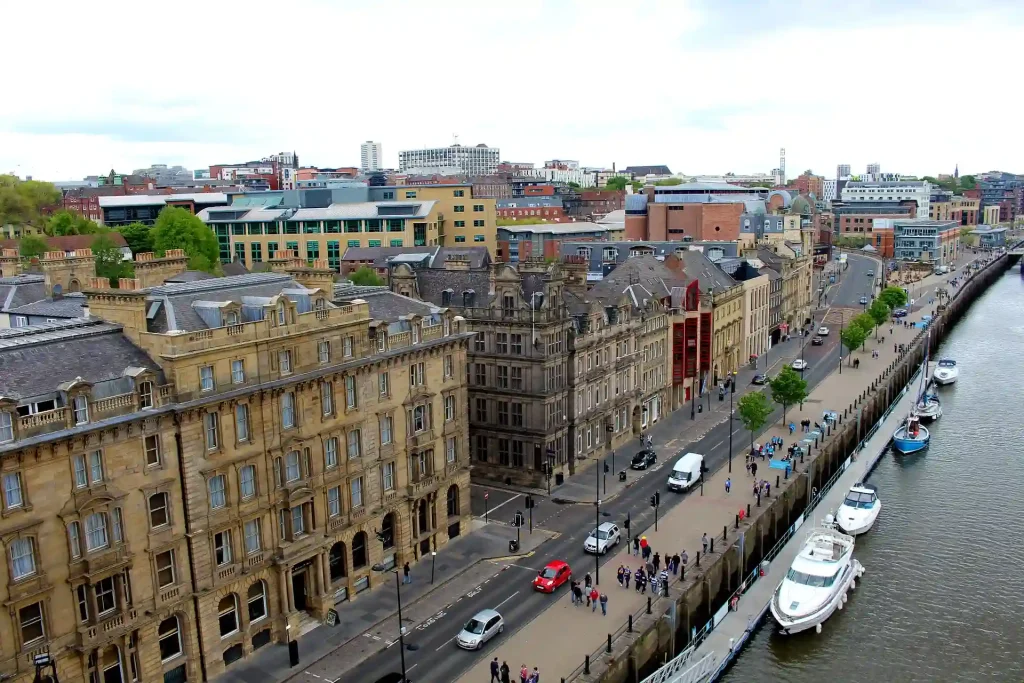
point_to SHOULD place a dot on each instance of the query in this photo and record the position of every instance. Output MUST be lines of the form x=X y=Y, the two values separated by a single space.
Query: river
x=939 y=601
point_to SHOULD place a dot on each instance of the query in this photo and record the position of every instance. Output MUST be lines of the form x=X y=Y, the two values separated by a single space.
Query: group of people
x=588 y=591
x=500 y=673
x=650 y=571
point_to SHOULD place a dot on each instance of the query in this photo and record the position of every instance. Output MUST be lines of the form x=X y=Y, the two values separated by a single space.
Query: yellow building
x=990 y=215
x=727 y=340
x=756 y=292
x=202 y=466
x=465 y=219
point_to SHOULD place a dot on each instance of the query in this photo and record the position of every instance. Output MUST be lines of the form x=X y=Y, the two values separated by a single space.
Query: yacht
x=929 y=408
x=817 y=582
x=859 y=510
x=946 y=372
x=911 y=436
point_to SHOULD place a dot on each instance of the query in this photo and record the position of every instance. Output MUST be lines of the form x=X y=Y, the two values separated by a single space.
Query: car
x=643 y=459
x=871 y=273
x=899 y=313
x=823 y=331
x=552 y=576
x=602 y=538
x=800 y=364
x=484 y=625
x=817 y=341
x=759 y=379
x=863 y=301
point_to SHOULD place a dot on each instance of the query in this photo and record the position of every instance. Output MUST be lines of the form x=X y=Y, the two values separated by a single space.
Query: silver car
x=482 y=627
x=602 y=538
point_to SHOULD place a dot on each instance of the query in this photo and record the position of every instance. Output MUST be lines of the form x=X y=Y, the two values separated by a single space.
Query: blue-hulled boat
x=911 y=436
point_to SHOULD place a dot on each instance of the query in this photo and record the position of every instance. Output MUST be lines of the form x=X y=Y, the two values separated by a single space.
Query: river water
x=942 y=598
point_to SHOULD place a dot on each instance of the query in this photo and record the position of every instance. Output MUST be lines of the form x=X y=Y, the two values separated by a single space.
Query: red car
x=552 y=576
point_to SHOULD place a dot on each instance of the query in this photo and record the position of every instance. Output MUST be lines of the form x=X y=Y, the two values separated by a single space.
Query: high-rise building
x=842 y=171
x=874 y=169
x=370 y=156
x=452 y=160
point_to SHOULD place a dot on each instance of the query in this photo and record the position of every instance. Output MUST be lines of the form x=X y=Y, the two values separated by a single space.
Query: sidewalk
x=463 y=557
x=542 y=642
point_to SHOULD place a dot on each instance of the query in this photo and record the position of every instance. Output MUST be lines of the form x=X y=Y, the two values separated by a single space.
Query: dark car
x=899 y=313
x=759 y=379
x=817 y=341
x=643 y=459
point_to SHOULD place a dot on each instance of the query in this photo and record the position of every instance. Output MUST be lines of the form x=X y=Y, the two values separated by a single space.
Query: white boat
x=817 y=582
x=929 y=408
x=946 y=372
x=859 y=510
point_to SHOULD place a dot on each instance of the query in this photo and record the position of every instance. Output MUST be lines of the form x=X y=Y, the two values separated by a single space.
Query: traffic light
x=625 y=524
x=656 y=499
x=529 y=502
x=519 y=518
x=606 y=468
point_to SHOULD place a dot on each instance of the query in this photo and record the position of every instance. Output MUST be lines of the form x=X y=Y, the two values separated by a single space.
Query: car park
x=602 y=538
x=552 y=576
x=484 y=625
x=823 y=331
x=817 y=341
x=643 y=459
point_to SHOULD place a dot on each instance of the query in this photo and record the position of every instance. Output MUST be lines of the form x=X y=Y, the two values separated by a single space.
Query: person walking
x=728 y=484
x=647 y=552
x=535 y=676
x=753 y=469
x=618 y=575
x=675 y=564
x=657 y=561
x=626 y=574
x=587 y=580
x=663 y=581
x=407 y=573
x=636 y=545
x=604 y=605
x=684 y=559
x=495 y=671
x=638 y=579
x=592 y=598
x=505 y=671
x=524 y=674
x=704 y=542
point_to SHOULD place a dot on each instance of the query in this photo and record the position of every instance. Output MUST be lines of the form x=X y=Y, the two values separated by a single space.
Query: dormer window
x=382 y=341
x=231 y=318
x=446 y=297
x=146 y=395
x=415 y=333
x=281 y=314
x=447 y=326
x=81 y=409
x=508 y=304
x=6 y=427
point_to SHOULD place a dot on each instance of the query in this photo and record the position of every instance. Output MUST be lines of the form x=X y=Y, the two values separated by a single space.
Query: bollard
x=776 y=481
x=586 y=665
x=759 y=500
x=725 y=531
x=629 y=625
x=609 y=648
x=828 y=429
x=748 y=510
x=815 y=442
x=786 y=475
x=712 y=549
x=698 y=558
x=648 y=604
x=682 y=573
x=801 y=458
x=737 y=521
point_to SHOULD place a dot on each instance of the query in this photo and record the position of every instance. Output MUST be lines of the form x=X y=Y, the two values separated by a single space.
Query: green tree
x=865 y=321
x=139 y=237
x=853 y=336
x=754 y=411
x=894 y=297
x=879 y=312
x=968 y=182
x=32 y=246
x=788 y=388
x=574 y=185
x=110 y=261
x=23 y=201
x=617 y=183
x=176 y=228
x=70 y=223
x=365 y=276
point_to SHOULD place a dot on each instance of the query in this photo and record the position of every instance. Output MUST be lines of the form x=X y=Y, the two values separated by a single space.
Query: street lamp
x=401 y=629
x=842 y=317
x=41 y=661
x=732 y=390
x=597 y=526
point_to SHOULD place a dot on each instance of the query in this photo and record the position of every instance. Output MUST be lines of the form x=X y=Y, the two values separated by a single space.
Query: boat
x=946 y=372
x=859 y=510
x=817 y=581
x=911 y=436
x=929 y=408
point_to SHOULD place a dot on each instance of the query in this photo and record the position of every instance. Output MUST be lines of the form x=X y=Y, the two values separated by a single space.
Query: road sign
x=486 y=495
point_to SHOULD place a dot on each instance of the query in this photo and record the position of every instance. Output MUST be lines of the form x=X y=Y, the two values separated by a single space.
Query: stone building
x=201 y=466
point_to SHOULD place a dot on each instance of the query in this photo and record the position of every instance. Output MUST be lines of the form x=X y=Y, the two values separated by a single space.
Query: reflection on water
x=941 y=599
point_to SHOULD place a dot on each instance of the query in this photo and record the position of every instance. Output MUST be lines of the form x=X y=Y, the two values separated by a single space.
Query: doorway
x=299 y=588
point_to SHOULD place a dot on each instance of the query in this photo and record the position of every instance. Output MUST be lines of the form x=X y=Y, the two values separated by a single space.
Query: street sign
x=486 y=495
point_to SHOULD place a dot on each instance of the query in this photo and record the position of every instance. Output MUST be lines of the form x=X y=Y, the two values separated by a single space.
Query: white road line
x=412 y=667
x=440 y=646
x=491 y=510
x=506 y=600
x=519 y=566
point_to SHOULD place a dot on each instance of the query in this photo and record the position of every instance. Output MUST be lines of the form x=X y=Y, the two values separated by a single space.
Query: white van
x=686 y=472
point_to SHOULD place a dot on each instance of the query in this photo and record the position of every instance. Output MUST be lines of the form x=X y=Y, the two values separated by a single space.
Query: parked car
x=643 y=459
x=823 y=331
x=871 y=273
x=552 y=576
x=484 y=625
x=800 y=364
x=759 y=379
x=817 y=341
x=602 y=538
x=899 y=313
x=863 y=301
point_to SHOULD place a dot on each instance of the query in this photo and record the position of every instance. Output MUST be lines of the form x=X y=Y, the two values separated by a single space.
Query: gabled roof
x=639 y=278
x=386 y=305
x=175 y=309
x=69 y=306
x=20 y=290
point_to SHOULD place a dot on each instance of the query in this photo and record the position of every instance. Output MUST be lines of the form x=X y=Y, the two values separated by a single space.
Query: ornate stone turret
x=68 y=272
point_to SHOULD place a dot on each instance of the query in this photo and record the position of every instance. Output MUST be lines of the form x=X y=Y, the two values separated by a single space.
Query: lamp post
x=842 y=317
x=732 y=390
x=401 y=629
x=597 y=526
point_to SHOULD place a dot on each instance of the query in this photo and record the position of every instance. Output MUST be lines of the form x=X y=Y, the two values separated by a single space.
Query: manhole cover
x=412 y=647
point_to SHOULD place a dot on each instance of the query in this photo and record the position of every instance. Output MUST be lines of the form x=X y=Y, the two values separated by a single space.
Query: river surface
x=942 y=598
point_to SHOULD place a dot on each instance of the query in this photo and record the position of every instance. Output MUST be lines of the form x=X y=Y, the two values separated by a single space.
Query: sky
x=703 y=86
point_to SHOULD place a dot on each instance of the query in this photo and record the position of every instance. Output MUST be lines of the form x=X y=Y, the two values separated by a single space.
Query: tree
x=139 y=237
x=788 y=388
x=32 y=246
x=968 y=182
x=894 y=297
x=853 y=337
x=754 y=410
x=22 y=201
x=176 y=228
x=879 y=312
x=865 y=321
x=70 y=223
x=617 y=183
x=110 y=261
x=574 y=185
x=365 y=276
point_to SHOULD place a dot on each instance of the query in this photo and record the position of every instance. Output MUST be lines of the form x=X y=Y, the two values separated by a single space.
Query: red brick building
x=673 y=222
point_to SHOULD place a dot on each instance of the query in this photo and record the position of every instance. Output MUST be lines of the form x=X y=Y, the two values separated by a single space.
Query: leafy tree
x=70 y=223
x=110 y=261
x=365 y=276
x=32 y=246
x=853 y=336
x=574 y=185
x=139 y=237
x=894 y=297
x=879 y=312
x=754 y=411
x=788 y=388
x=617 y=183
x=176 y=228
x=866 y=321
x=968 y=182
x=22 y=201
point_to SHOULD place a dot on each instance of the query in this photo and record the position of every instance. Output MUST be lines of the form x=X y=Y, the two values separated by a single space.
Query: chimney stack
x=10 y=262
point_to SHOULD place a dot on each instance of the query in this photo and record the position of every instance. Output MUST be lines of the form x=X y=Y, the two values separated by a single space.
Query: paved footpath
x=543 y=642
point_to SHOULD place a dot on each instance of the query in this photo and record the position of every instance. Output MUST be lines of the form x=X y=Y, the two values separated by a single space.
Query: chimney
x=316 y=275
x=456 y=262
x=575 y=268
x=283 y=261
x=125 y=305
x=67 y=272
x=10 y=262
x=153 y=272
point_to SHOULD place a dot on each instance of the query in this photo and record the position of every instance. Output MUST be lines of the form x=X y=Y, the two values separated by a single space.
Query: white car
x=799 y=364
x=478 y=630
x=823 y=331
x=602 y=538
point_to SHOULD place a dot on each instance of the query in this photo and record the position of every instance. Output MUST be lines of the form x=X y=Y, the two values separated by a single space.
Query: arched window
x=336 y=560
x=158 y=513
x=75 y=540
x=281 y=314
x=231 y=318
x=257 y=599
x=169 y=634
x=387 y=530
x=96 y=531
x=227 y=612
x=359 y=554
x=453 y=501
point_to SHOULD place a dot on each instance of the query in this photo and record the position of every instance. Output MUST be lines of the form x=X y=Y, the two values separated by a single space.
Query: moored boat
x=929 y=408
x=911 y=436
x=859 y=510
x=947 y=372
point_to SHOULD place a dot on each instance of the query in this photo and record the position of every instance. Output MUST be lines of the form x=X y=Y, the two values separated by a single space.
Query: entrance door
x=299 y=589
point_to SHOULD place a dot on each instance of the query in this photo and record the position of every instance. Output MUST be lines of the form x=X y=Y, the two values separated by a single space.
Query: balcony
x=91 y=636
x=423 y=486
x=103 y=561
x=421 y=439
x=42 y=423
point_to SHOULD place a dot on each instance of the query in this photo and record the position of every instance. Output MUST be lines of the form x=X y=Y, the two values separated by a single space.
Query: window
x=169 y=634
x=247 y=481
x=354 y=444
x=96 y=531
x=419 y=418
x=75 y=540
x=158 y=513
x=252 y=536
x=218 y=493
x=23 y=561
x=416 y=374
x=292 y=470
x=517 y=414
x=165 y=569
x=298 y=522
x=30 y=618
x=385 y=429
x=478 y=208
x=284 y=359
x=449 y=450
x=383 y=383
x=242 y=422
x=237 y=371
x=227 y=611
x=479 y=343
x=288 y=410
x=517 y=378
x=460 y=238
x=96 y=467
x=330 y=453
x=449 y=367
x=481 y=410
x=6 y=427
x=479 y=238
x=449 y=408
x=80 y=473
x=503 y=452
x=118 y=526
x=503 y=377
x=327 y=398
x=517 y=344
x=257 y=601
x=481 y=373
x=334 y=501
x=206 y=378
x=503 y=412
x=81 y=409
x=151 y=445
x=460 y=208
x=323 y=350
x=501 y=342
x=212 y=439
x=357 y=492
x=281 y=318
x=458 y=193
x=106 y=596
x=350 y=391
x=347 y=345
x=387 y=476
x=222 y=547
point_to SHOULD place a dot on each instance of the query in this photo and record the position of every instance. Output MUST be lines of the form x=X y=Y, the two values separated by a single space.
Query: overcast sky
x=705 y=87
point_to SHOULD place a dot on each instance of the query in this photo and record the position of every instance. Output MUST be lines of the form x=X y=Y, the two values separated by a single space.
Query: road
x=431 y=654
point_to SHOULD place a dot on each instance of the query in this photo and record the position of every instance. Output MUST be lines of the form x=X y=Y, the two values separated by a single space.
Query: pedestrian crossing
x=838 y=316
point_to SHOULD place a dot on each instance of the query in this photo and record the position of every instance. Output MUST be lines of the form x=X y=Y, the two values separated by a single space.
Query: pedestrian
x=587 y=592
x=663 y=580
x=728 y=484
x=604 y=605
x=704 y=542
x=495 y=668
x=592 y=598
x=647 y=552
x=767 y=489
x=626 y=574
x=407 y=572
x=675 y=564
x=577 y=593
x=524 y=674
x=638 y=579
x=587 y=580
x=657 y=561
x=649 y=569
x=636 y=545
x=753 y=469
x=792 y=428
x=618 y=575
x=505 y=672
x=535 y=676
x=757 y=488
x=654 y=584
x=683 y=558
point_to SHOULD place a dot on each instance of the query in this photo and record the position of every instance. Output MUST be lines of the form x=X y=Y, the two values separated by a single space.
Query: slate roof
x=641 y=277
x=20 y=290
x=35 y=360
x=697 y=265
x=433 y=282
x=177 y=313
x=235 y=267
x=386 y=305
x=70 y=306
x=479 y=257
x=189 y=276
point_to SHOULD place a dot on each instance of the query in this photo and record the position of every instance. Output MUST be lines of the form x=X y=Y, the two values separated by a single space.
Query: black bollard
x=759 y=499
x=629 y=627
x=648 y=604
x=609 y=648
x=586 y=665
x=725 y=531
x=785 y=474
x=748 y=510
x=698 y=558
x=737 y=520
x=712 y=549
x=776 y=481
x=682 y=573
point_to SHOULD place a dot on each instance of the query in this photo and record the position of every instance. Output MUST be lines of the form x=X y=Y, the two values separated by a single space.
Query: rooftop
x=364 y=210
x=576 y=228
x=160 y=199
x=478 y=257
x=383 y=303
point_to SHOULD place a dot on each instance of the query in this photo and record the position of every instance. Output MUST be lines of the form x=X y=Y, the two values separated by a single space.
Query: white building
x=472 y=161
x=842 y=171
x=828 y=189
x=874 y=169
x=370 y=156
x=918 y=190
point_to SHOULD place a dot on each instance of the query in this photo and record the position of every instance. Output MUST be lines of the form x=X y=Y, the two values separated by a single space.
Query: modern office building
x=144 y=208
x=921 y=239
x=452 y=160
x=890 y=191
x=987 y=236
x=370 y=156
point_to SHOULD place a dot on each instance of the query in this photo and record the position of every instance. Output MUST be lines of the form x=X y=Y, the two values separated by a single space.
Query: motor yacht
x=859 y=510
x=929 y=408
x=946 y=373
x=818 y=580
x=911 y=436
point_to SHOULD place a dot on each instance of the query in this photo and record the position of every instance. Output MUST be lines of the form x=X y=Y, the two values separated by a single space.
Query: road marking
x=491 y=511
x=443 y=644
x=412 y=667
x=505 y=600
x=519 y=566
